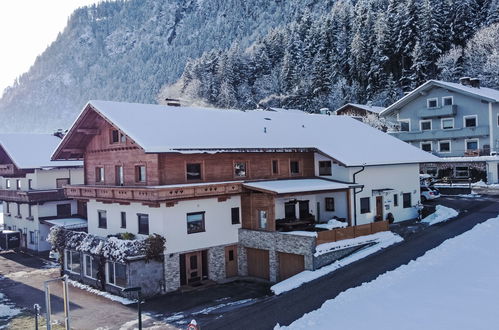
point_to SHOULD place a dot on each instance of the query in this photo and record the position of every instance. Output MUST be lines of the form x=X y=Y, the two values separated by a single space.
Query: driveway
x=286 y=308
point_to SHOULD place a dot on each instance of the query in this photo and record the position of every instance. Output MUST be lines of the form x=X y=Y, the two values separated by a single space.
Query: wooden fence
x=339 y=234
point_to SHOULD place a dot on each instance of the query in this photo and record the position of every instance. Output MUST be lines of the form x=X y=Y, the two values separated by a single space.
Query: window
x=91 y=266
x=235 y=215
x=99 y=174
x=365 y=206
x=72 y=261
x=143 y=223
x=240 y=169
x=123 y=219
x=294 y=166
x=275 y=167
x=425 y=125
x=30 y=184
x=195 y=222
x=193 y=171
x=7 y=184
x=406 y=200
x=140 y=173
x=102 y=218
x=116 y=274
x=433 y=171
x=470 y=121
x=395 y=200
x=471 y=144
x=404 y=126
x=426 y=146
x=325 y=167
x=18 y=184
x=7 y=207
x=444 y=146
x=122 y=138
x=64 y=210
x=262 y=219
x=432 y=103
x=18 y=210
x=120 y=179
x=31 y=237
x=462 y=172
x=30 y=215
x=447 y=123
x=447 y=100
x=498 y=120
x=117 y=136
x=329 y=201
x=61 y=182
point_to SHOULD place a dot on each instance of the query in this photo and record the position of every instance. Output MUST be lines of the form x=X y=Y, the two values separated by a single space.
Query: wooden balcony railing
x=151 y=194
x=31 y=196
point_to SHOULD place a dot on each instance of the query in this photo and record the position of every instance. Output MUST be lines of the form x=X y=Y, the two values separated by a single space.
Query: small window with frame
x=102 y=219
x=447 y=100
x=471 y=144
x=140 y=173
x=294 y=167
x=193 y=171
x=275 y=166
x=240 y=169
x=406 y=200
x=329 y=201
x=404 y=125
x=426 y=146
x=235 y=215
x=143 y=223
x=195 y=222
x=365 y=205
x=470 y=121
x=447 y=123
x=18 y=184
x=425 y=125
x=99 y=174
x=432 y=103
x=115 y=136
x=325 y=167
x=444 y=146
x=262 y=219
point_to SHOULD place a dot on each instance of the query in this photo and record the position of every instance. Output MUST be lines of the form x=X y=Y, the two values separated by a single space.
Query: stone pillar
x=242 y=261
x=216 y=263
x=273 y=266
x=172 y=272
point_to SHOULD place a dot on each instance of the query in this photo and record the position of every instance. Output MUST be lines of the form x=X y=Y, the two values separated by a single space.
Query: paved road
x=286 y=308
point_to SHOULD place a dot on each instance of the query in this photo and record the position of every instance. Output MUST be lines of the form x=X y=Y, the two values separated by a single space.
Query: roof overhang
x=292 y=186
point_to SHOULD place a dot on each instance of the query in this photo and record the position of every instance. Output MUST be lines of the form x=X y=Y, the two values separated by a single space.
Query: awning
x=68 y=222
x=295 y=186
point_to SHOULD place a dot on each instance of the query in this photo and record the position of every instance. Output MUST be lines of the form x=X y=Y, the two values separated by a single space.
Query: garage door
x=290 y=264
x=258 y=263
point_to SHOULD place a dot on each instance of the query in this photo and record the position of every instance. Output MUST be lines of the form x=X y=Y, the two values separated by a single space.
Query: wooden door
x=193 y=267
x=304 y=209
x=258 y=263
x=290 y=264
x=231 y=261
x=379 y=207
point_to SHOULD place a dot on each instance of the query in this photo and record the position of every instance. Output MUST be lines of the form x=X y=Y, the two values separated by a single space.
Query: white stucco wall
x=171 y=222
x=339 y=173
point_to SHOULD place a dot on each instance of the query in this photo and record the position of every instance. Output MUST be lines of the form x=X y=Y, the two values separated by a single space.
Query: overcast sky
x=27 y=27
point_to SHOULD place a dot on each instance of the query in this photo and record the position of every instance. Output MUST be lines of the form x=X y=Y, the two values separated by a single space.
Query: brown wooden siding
x=251 y=203
x=258 y=263
x=351 y=232
x=290 y=264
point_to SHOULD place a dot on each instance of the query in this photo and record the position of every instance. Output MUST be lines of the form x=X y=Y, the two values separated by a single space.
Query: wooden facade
x=251 y=204
x=31 y=196
x=339 y=234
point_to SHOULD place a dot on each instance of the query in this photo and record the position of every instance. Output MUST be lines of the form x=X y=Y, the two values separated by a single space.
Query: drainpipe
x=355 y=192
x=491 y=129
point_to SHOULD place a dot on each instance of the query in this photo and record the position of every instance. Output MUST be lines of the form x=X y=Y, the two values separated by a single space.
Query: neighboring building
x=359 y=111
x=31 y=188
x=222 y=185
x=449 y=119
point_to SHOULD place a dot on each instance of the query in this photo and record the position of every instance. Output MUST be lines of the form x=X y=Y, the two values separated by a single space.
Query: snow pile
x=331 y=224
x=472 y=195
x=308 y=275
x=104 y=294
x=301 y=233
x=453 y=286
x=441 y=214
x=7 y=309
x=346 y=243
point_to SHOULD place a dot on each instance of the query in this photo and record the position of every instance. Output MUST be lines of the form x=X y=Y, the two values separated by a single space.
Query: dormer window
x=117 y=136
x=432 y=103
x=447 y=100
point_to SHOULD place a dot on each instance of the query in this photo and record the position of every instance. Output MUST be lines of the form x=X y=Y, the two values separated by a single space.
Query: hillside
x=126 y=50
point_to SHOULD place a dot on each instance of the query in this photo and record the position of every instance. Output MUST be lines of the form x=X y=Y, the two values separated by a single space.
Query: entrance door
x=193 y=267
x=304 y=209
x=379 y=207
x=231 y=261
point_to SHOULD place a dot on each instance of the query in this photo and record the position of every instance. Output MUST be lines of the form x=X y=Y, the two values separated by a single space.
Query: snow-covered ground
x=7 y=310
x=441 y=214
x=331 y=224
x=381 y=240
x=104 y=294
x=453 y=286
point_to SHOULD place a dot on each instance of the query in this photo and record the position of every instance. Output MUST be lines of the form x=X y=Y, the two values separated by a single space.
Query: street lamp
x=137 y=289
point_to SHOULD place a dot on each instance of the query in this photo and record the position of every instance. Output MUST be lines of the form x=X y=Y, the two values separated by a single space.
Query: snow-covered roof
x=29 y=151
x=159 y=128
x=295 y=185
x=68 y=222
x=483 y=93
x=465 y=159
x=367 y=107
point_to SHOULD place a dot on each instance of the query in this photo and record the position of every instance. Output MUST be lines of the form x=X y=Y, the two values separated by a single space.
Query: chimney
x=465 y=81
x=475 y=82
x=173 y=102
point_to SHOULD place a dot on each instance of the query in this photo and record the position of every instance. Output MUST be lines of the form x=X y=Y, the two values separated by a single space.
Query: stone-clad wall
x=147 y=275
x=172 y=272
x=328 y=258
x=216 y=263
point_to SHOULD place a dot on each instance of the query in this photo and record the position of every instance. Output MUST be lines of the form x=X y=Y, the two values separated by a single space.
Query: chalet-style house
x=451 y=120
x=228 y=189
x=31 y=188
x=358 y=111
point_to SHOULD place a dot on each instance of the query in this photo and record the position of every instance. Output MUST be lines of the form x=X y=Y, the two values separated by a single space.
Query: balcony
x=31 y=196
x=444 y=111
x=441 y=134
x=152 y=194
